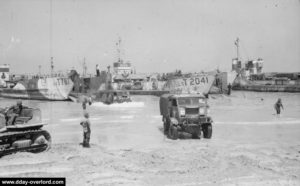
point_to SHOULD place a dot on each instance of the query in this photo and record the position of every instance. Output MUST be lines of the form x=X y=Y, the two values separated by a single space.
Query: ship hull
x=264 y=86
x=268 y=88
x=56 y=89
x=198 y=83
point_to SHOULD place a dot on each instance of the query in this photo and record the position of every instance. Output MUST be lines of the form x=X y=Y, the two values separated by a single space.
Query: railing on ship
x=18 y=77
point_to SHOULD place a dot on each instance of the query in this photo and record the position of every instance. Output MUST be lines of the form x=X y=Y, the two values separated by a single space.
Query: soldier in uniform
x=13 y=112
x=278 y=105
x=86 y=125
x=97 y=70
x=229 y=89
x=86 y=100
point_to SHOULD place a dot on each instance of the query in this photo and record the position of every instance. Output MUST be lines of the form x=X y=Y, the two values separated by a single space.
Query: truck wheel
x=196 y=135
x=207 y=130
x=166 y=126
x=173 y=132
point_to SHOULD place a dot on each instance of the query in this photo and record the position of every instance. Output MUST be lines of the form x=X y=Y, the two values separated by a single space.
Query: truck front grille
x=191 y=110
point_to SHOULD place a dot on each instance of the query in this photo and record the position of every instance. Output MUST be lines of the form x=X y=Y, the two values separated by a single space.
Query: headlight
x=181 y=111
x=174 y=121
x=201 y=101
x=201 y=111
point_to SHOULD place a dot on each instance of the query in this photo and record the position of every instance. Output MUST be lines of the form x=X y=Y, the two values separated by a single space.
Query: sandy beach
x=249 y=146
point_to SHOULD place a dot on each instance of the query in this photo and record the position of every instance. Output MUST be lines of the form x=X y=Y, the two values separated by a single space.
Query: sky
x=157 y=35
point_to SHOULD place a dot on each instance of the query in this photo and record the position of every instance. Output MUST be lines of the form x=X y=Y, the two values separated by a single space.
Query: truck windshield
x=190 y=101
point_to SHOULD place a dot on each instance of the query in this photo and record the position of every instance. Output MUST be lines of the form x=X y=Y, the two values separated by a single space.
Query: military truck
x=185 y=113
x=26 y=133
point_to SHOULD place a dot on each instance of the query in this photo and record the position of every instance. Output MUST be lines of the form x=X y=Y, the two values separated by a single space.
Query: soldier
x=86 y=100
x=97 y=70
x=229 y=89
x=13 y=112
x=86 y=125
x=278 y=105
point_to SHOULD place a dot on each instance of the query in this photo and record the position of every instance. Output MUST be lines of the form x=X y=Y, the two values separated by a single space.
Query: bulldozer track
x=11 y=136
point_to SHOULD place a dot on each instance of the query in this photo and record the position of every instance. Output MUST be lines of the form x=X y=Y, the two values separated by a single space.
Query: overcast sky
x=157 y=35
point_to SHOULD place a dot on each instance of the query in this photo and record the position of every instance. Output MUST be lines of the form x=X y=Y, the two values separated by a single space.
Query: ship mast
x=237 y=44
x=84 y=67
x=40 y=72
x=119 y=50
x=50 y=40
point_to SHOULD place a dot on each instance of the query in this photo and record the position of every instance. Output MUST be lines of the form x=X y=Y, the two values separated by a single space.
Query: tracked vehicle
x=26 y=134
x=185 y=113
x=112 y=96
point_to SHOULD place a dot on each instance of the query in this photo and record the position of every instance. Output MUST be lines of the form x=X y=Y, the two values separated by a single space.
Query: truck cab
x=185 y=113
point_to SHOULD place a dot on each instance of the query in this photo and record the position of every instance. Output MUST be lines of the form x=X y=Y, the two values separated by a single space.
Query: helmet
x=86 y=115
x=19 y=102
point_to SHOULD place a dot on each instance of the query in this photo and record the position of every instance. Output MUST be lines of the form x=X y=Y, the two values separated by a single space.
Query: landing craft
x=187 y=84
x=40 y=88
x=99 y=88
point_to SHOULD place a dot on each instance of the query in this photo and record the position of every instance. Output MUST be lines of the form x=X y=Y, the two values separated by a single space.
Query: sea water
x=255 y=108
x=239 y=108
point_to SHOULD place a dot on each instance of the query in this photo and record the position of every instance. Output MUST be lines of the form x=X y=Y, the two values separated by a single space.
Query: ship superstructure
x=120 y=67
x=4 y=74
x=248 y=68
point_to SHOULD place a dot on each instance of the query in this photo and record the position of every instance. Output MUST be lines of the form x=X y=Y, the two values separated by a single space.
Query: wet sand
x=129 y=148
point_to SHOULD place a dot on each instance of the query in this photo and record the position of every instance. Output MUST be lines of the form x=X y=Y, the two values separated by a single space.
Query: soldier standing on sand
x=278 y=105
x=229 y=89
x=86 y=125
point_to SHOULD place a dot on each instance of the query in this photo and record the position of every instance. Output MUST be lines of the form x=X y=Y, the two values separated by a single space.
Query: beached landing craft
x=25 y=135
x=40 y=88
x=252 y=78
x=99 y=88
x=187 y=84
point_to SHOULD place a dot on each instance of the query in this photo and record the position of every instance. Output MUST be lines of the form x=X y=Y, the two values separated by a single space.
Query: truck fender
x=209 y=119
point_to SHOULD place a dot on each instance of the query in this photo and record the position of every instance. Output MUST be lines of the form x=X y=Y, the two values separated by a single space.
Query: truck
x=185 y=113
